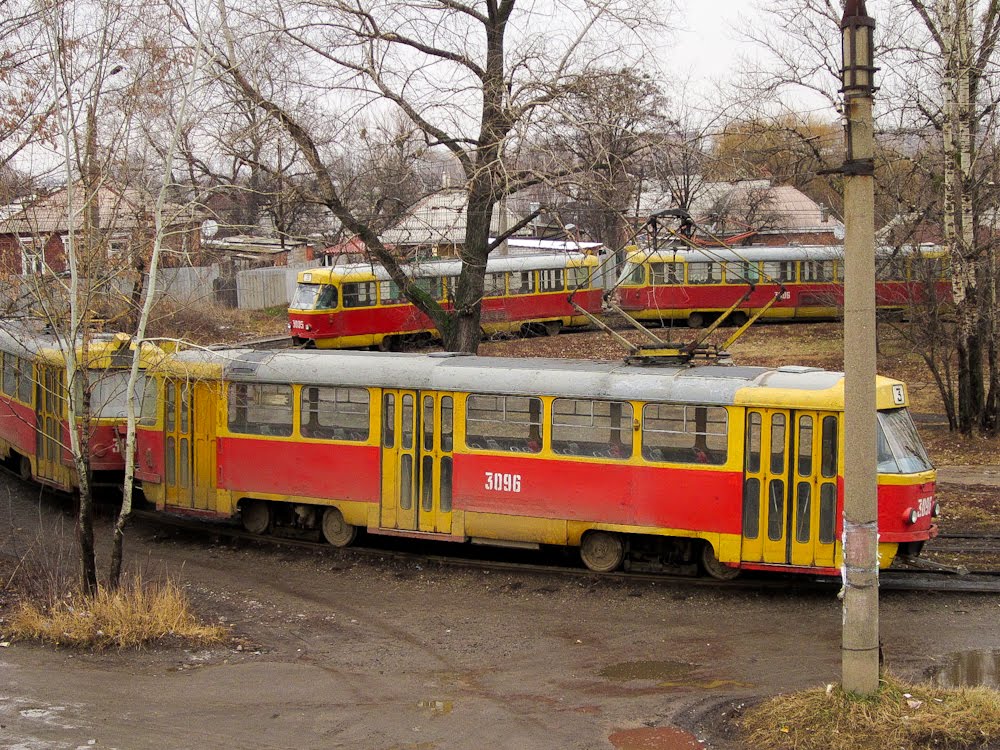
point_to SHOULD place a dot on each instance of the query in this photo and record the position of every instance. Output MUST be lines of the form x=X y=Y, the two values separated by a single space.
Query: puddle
x=655 y=738
x=440 y=708
x=647 y=670
x=969 y=668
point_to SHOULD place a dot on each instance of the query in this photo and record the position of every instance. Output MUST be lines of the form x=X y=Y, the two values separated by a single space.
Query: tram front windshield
x=314 y=297
x=109 y=394
x=899 y=448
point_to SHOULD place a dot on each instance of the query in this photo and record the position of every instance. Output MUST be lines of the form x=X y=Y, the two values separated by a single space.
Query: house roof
x=788 y=208
x=439 y=218
x=120 y=211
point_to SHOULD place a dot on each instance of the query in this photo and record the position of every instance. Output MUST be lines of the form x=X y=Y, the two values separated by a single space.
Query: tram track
x=896 y=579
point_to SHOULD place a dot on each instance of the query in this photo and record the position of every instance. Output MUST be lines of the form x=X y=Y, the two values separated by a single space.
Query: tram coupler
x=921 y=563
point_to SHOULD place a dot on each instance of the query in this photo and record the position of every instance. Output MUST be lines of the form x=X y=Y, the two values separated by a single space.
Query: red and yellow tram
x=359 y=305
x=34 y=413
x=697 y=285
x=726 y=467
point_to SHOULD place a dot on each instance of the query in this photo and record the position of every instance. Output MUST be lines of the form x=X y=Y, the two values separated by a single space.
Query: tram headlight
x=911 y=515
x=308 y=327
x=936 y=510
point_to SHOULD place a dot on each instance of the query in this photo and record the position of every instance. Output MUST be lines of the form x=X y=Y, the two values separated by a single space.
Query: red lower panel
x=17 y=426
x=606 y=493
x=343 y=472
x=895 y=502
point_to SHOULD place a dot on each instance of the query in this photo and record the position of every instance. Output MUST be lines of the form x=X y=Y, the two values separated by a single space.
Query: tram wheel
x=696 y=320
x=552 y=327
x=336 y=530
x=602 y=551
x=256 y=516
x=715 y=568
x=24 y=468
x=389 y=344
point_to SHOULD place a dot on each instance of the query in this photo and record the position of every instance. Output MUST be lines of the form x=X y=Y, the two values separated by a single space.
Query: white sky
x=705 y=45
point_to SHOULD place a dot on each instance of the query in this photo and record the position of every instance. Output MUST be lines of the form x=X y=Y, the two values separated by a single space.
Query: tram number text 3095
x=497 y=481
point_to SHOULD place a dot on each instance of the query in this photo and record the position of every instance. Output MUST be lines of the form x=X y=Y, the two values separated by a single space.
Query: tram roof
x=703 y=384
x=450 y=266
x=765 y=253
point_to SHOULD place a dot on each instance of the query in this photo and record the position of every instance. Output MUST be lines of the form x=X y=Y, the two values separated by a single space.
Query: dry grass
x=135 y=615
x=206 y=324
x=898 y=716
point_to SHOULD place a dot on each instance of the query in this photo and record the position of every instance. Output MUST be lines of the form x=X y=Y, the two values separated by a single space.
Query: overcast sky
x=705 y=43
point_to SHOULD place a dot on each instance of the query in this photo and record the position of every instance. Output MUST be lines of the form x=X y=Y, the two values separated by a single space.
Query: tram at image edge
x=722 y=467
x=34 y=413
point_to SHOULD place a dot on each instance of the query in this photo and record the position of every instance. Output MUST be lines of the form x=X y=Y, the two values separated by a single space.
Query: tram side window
x=634 y=274
x=742 y=272
x=522 y=282
x=260 y=409
x=817 y=270
x=335 y=413
x=504 y=423
x=450 y=283
x=430 y=284
x=579 y=278
x=892 y=268
x=581 y=427
x=779 y=270
x=495 y=286
x=10 y=370
x=685 y=434
x=389 y=293
x=359 y=294
x=704 y=273
x=147 y=412
x=551 y=280
x=666 y=273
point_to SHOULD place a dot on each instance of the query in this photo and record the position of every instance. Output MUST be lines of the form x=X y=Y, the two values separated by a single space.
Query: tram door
x=790 y=487
x=417 y=444
x=50 y=404
x=189 y=443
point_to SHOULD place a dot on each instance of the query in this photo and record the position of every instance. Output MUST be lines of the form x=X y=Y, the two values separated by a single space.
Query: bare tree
x=938 y=80
x=471 y=77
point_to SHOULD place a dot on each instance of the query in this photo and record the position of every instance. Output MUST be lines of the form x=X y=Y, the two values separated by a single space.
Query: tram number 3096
x=500 y=482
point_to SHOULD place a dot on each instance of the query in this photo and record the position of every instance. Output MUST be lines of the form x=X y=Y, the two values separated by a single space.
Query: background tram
x=696 y=285
x=34 y=415
x=726 y=467
x=358 y=305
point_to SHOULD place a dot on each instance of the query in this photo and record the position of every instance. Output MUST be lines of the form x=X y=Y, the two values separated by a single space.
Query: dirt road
x=350 y=652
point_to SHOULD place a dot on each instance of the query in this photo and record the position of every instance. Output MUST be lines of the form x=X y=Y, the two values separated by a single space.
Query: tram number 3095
x=500 y=482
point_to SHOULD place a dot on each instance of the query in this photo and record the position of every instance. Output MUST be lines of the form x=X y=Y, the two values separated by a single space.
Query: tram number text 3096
x=497 y=481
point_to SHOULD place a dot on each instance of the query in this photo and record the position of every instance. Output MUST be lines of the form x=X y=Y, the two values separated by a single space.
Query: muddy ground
x=344 y=650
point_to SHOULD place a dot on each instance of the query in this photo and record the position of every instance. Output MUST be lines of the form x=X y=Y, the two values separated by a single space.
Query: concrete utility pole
x=859 y=648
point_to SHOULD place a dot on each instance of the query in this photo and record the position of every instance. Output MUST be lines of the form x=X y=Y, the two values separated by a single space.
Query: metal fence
x=261 y=288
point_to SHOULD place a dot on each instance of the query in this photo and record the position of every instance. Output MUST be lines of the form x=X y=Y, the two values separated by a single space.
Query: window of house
x=32 y=254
